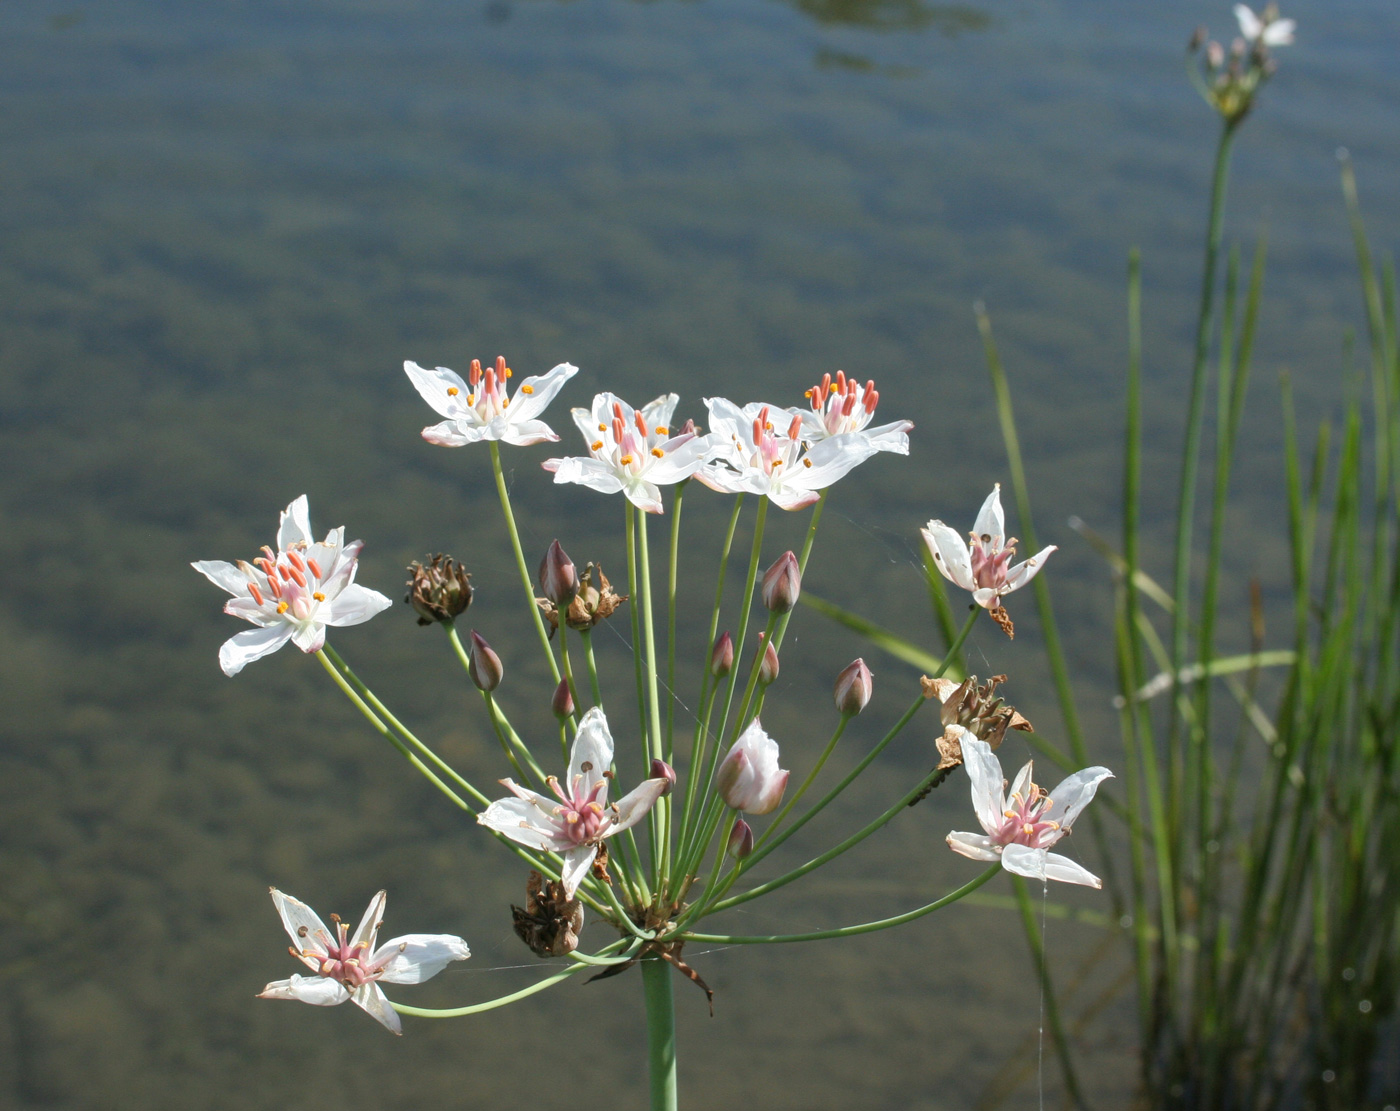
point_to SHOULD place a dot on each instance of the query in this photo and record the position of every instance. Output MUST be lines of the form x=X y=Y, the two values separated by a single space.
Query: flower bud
x=662 y=770
x=748 y=778
x=722 y=656
x=740 y=840
x=853 y=687
x=1215 y=55
x=1198 y=37
x=563 y=701
x=557 y=576
x=484 y=665
x=439 y=590
x=768 y=669
x=782 y=583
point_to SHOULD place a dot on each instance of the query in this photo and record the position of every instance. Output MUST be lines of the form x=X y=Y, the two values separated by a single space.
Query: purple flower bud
x=558 y=577
x=563 y=701
x=748 y=778
x=782 y=583
x=1215 y=55
x=722 y=656
x=768 y=669
x=740 y=840
x=853 y=687
x=484 y=665
x=662 y=770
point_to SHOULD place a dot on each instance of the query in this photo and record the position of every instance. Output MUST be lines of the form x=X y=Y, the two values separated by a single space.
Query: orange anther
x=661 y=430
x=527 y=390
x=626 y=460
x=318 y=596
x=656 y=451
x=596 y=445
x=453 y=391
x=282 y=607
x=806 y=462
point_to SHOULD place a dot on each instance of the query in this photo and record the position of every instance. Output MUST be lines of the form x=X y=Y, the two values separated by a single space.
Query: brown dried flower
x=594 y=602
x=439 y=590
x=549 y=923
x=975 y=708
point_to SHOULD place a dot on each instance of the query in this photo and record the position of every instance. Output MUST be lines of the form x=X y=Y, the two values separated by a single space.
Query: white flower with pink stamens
x=1021 y=827
x=578 y=818
x=292 y=593
x=983 y=566
x=482 y=408
x=632 y=451
x=845 y=407
x=348 y=966
x=761 y=449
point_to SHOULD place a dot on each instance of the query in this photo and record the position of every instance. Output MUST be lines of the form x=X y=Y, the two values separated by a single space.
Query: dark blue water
x=224 y=226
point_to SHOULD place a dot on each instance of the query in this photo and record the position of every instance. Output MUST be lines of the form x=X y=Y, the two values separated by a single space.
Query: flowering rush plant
x=640 y=827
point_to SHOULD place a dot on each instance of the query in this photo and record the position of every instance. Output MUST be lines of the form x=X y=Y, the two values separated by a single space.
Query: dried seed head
x=594 y=602
x=976 y=709
x=549 y=922
x=438 y=590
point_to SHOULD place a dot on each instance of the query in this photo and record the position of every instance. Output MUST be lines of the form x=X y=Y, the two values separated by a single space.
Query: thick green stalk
x=661 y=1033
x=525 y=579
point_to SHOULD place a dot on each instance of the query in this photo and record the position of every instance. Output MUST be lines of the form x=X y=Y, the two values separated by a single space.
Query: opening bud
x=563 y=701
x=782 y=583
x=484 y=665
x=740 y=840
x=558 y=576
x=438 y=590
x=748 y=778
x=853 y=688
x=768 y=669
x=722 y=656
x=662 y=770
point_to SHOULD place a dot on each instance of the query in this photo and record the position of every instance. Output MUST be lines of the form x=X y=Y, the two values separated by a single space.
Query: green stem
x=525 y=580
x=592 y=667
x=671 y=621
x=661 y=1034
x=802 y=562
x=806 y=783
x=847 y=931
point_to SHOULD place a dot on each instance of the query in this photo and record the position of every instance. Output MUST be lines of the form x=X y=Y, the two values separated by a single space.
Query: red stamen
x=826 y=385
x=619 y=429
x=870 y=386
x=475 y=375
x=282 y=570
x=840 y=381
x=256 y=593
x=641 y=425
x=300 y=578
x=872 y=399
x=274 y=586
x=296 y=561
x=315 y=568
x=617 y=411
x=758 y=431
x=501 y=367
x=795 y=428
x=849 y=407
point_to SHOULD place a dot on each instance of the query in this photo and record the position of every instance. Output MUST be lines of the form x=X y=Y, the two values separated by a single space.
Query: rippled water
x=226 y=225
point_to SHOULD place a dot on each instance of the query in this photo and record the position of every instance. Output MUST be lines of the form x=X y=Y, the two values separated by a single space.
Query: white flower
x=293 y=593
x=749 y=778
x=481 y=408
x=578 y=818
x=1270 y=30
x=348 y=966
x=983 y=567
x=631 y=451
x=759 y=450
x=1022 y=827
x=844 y=407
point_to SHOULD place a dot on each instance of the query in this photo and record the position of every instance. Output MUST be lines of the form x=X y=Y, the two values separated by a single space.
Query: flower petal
x=310 y=637
x=369 y=998
x=577 y=862
x=632 y=807
x=592 y=753
x=521 y=821
x=297 y=916
x=523 y=433
x=414 y=958
x=1250 y=26
x=243 y=648
x=354 y=605
x=990 y=523
x=454 y=433
x=224 y=575
x=294 y=527
x=319 y=991
x=1023 y=572
x=585 y=471
x=370 y=922
x=1074 y=794
x=950 y=554
x=1065 y=870
x=984 y=772
x=432 y=386
x=1024 y=861
x=975 y=845
x=527 y=404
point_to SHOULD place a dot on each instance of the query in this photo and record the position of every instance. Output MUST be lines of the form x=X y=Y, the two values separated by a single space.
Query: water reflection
x=894 y=15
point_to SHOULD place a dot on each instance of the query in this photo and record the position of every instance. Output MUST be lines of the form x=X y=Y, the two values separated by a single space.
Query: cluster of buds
x=1228 y=80
x=549 y=922
x=968 y=707
x=439 y=590
x=593 y=598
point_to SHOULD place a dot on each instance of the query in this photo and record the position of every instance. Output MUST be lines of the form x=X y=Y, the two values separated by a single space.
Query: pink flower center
x=990 y=559
x=488 y=390
x=296 y=585
x=843 y=405
x=580 y=816
x=774 y=450
x=349 y=964
x=1024 y=821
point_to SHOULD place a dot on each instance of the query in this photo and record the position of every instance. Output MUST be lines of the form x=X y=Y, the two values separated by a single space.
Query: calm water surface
x=224 y=226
